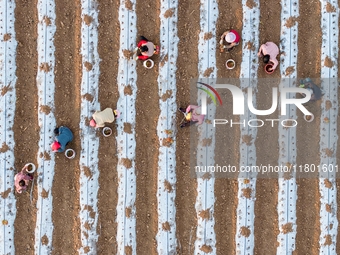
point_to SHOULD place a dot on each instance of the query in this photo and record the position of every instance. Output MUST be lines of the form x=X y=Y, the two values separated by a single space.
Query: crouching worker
x=21 y=180
x=315 y=90
x=146 y=48
x=232 y=38
x=64 y=135
x=102 y=117
x=192 y=115
x=269 y=52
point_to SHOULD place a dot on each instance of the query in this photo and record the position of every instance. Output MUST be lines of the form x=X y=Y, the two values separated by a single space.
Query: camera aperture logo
x=210 y=94
x=238 y=99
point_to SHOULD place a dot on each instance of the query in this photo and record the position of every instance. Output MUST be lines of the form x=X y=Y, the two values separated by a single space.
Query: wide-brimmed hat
x=230 y=37
x=117 y=113
x=55 y=146
x=92 y=123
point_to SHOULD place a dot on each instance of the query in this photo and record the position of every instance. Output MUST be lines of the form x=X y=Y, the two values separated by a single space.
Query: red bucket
x=266 y=68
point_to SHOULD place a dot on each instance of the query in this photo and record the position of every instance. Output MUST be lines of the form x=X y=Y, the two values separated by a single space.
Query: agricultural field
x=133 y=192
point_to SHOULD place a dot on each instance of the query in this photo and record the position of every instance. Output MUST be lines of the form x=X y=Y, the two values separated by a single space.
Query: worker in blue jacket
x=64 y=135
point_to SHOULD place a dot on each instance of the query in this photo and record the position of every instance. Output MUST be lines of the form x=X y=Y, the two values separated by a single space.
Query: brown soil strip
x=267 y=148
x=109 y=36
x=147 y=113
x=25 y=123
x=308 y=150
x=65 y=190
x=227 y=139
x=188 y=29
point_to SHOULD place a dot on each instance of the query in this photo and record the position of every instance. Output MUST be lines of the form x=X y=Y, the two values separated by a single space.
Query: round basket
x=309 y=118
x=230 y=64
x=107 y=131
x=266 y=68
x=70 y=153
x=30 y=168
x=148 y=64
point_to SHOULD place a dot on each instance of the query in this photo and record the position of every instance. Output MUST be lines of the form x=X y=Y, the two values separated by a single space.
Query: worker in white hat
x=231 y=37
x=102 y=117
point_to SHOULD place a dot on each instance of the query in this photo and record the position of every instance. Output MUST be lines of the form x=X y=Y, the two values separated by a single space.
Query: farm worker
x=21 y=180
x=232 y=38
x=64 y=135
x=192 y=115
x=269 y=51
x=102 y=117
x=147 y=49
x=314 y=89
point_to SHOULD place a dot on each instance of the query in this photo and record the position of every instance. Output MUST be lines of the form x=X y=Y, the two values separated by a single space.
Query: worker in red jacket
x=146 y=48
x=232 y=38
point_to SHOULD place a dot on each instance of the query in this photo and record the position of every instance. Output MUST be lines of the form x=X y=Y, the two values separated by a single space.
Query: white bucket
x=230 y=64
x=30 y=165
x=310 y=118
x=107 y=131
x=148 y=64
x=69 y=155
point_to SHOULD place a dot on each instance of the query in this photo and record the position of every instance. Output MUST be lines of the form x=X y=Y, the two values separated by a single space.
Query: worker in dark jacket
x=64 y=135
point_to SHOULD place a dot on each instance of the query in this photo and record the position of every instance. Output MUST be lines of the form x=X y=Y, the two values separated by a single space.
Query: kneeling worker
x=102 y=117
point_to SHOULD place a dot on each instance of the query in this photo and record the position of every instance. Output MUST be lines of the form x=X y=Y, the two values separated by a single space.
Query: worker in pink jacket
x=192 y=115
x=269 y=52
x=21 y=180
